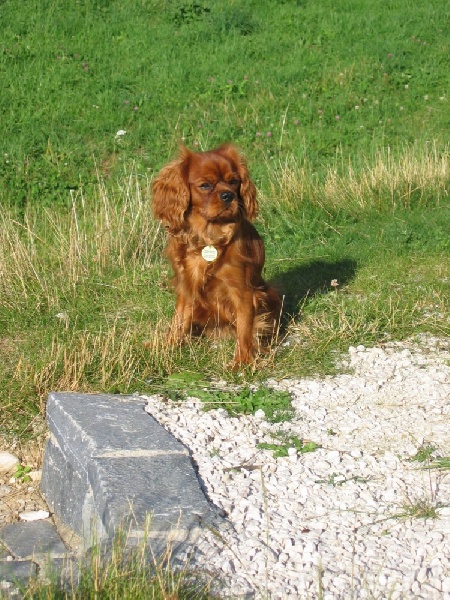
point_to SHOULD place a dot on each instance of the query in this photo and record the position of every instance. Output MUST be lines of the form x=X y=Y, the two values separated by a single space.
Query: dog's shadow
x=304 y=282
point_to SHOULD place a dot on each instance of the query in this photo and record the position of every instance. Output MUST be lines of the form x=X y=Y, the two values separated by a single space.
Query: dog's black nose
x=227 y=196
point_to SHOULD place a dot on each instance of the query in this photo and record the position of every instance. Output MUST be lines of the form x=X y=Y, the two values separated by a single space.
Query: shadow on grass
x=312 y=279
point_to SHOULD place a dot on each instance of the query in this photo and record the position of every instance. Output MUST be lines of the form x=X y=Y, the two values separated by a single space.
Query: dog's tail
x=268 y=314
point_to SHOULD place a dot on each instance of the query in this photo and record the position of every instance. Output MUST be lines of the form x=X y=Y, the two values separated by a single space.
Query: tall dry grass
x=47 y=253
x=417 y=176
x=108 y=244
x=126 y=569
x=48 y=258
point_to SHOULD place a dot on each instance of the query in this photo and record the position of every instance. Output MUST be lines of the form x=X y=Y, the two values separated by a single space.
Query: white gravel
x=331 y=523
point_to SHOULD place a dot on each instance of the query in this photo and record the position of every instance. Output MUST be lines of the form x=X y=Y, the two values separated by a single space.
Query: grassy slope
x=78 y=73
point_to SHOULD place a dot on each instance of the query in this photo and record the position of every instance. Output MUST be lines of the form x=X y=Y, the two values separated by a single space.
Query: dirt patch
x=21 y=493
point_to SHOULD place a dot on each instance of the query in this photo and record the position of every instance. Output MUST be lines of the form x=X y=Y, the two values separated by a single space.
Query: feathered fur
x=208 y=199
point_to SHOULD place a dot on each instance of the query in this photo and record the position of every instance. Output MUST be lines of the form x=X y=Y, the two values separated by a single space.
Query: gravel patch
x=343 y=521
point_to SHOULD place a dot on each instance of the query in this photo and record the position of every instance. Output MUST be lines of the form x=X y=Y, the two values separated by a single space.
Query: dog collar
x=209 y=253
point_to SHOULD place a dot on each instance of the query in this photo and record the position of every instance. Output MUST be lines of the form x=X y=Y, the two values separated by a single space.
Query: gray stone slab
x=64 y=571
x=163 y=486
x=4 y=552
x=87 y=425
x=37 y=540
x=65 y=485
x=17 y=571
x=108 y=463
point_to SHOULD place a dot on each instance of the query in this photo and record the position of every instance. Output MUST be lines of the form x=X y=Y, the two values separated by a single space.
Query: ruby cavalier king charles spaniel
x=206 y=201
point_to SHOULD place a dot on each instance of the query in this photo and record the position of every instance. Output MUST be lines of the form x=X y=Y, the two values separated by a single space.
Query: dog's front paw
x=243 y=358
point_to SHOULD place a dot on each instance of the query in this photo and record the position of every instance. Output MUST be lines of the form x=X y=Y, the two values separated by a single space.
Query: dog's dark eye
x=233 y=181
x=205 y=186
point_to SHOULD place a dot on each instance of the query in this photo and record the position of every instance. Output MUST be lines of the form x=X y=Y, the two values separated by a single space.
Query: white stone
x=8 y=461
x=422 y=575
x=34 y=515
x=35 y=475
x=287 y=525
x=5 y=490
x=5 y=585
x=416 y=588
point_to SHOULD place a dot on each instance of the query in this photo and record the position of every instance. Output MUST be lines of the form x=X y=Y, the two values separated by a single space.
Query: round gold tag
x=209 y=253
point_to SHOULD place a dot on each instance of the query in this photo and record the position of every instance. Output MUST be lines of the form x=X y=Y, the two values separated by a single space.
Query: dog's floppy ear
x=170 y=191
x=248 y=189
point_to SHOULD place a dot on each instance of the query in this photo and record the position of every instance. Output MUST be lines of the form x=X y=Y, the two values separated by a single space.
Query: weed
x=419 y=509
x=276 y=405
x=237 y=400
x=21 y=473
x=424 y=454
x=336 y=479
x=428 y=458
x=282 y=448
x=190 y=12
x=440 y=462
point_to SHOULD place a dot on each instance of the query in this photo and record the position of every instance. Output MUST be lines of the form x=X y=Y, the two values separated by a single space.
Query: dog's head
x=212 y=187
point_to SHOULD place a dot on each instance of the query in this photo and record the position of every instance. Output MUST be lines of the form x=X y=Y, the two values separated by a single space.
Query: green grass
x=429 y=458
x=281 y=79
x=83 y=291
x=237 y=400
x=283 y=442
x=342 y=112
